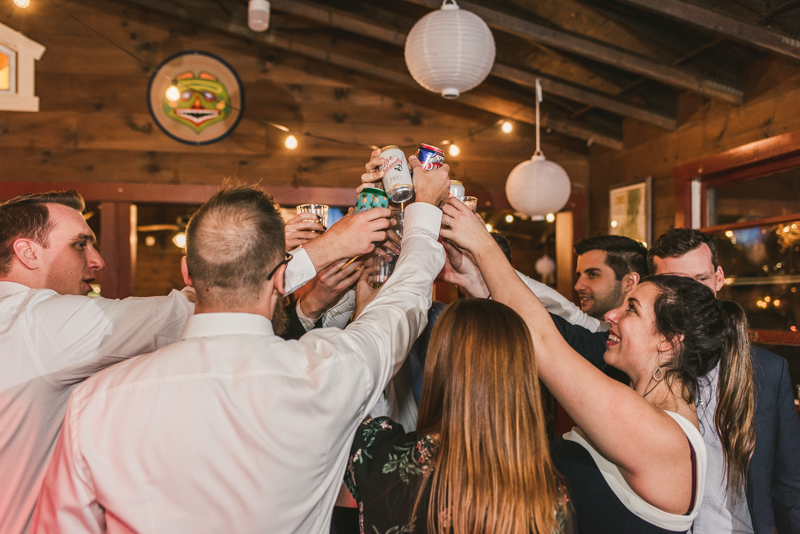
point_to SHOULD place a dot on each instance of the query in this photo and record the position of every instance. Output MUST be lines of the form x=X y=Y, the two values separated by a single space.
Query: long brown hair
x=708 y=332
x=492 y=471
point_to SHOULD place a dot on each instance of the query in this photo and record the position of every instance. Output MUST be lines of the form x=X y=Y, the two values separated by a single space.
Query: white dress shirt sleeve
x=336 y=317
x=70 y=503
x=555 y=303
x=299 y=271
x=73 y=337
x=382 y=335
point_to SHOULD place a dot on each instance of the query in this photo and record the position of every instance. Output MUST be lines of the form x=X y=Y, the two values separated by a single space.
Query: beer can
x=397 y=178
x=430 y=157
x=371 y=197
x=457 y=189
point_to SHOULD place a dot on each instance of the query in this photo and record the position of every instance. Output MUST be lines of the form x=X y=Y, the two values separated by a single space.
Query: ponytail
x=734 y=418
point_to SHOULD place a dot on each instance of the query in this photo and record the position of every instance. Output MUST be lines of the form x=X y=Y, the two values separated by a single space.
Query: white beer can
x=397 y=178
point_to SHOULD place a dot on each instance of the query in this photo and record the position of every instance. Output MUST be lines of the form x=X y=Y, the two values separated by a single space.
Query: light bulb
x=291 y=142
x=613 y=224
x=22 y=3
x=258 y=15
x=173 y=93
x=550 y=217
x=489 y=227
x=180 y=240
x=507 y=127
x=509 y=218
x=454 y=150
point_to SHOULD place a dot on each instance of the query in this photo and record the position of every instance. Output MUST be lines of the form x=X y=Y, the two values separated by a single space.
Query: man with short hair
x=772 y=500
x=608 y=268
x=233 y=428
x=52 y=336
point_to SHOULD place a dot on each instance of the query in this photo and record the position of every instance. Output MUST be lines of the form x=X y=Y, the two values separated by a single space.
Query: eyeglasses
x=284 y=262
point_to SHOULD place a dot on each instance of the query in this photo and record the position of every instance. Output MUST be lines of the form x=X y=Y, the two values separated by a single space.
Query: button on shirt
x=233 y=429
x=48 y=344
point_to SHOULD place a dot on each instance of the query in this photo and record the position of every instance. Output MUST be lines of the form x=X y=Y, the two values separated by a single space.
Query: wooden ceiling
x=601 y=62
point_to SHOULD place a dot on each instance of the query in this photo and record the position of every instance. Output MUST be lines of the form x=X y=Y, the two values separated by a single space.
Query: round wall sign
x=195 y=98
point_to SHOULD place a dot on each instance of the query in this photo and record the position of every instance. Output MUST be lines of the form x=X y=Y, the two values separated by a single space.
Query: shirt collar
x=9 y=288
x=226 y=324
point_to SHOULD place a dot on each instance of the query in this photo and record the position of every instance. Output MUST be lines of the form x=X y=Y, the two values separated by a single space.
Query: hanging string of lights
x=291 y=141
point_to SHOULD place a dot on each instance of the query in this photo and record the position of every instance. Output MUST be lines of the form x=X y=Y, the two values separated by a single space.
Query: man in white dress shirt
x=233 y=429
x=52 y=336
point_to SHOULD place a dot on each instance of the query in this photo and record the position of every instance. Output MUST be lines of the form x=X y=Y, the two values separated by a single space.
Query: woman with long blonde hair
x=479 y=460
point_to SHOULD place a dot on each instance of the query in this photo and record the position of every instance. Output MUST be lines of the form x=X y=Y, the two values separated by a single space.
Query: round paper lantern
x=537 y=187
x=450 y=51
x=545 y=266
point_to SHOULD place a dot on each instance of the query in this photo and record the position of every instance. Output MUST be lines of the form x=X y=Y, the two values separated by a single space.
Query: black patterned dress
x=386 y=470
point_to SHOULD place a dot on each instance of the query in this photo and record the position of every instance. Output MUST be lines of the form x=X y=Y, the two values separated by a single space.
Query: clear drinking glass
x=470 y=202
x=320 y=210
x=383 y=264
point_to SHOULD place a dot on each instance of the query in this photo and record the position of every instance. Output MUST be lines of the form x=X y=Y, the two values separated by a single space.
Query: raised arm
x=643 y=441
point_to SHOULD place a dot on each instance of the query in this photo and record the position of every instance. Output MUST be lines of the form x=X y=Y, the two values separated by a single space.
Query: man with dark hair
x=233 y=428
x=52 y=336
x=608 y=268
x=771 y=500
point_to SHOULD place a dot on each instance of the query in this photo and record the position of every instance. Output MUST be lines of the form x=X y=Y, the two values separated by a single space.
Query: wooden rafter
x=568 y=42
x=495 y=105
x=728 y=26
x=345 y=21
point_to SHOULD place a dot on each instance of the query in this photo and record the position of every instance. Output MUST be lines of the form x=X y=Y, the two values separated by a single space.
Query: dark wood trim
x=118 y=247
x=752 y=34
x=749 y=161
x=749 y=224
x=775 y=337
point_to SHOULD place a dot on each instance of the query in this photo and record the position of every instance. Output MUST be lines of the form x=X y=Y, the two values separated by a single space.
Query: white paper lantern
x=545 y=266
x=450 y=51
x=537 y=187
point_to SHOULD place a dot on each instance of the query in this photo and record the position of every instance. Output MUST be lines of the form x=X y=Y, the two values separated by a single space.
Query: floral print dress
x=384 y=474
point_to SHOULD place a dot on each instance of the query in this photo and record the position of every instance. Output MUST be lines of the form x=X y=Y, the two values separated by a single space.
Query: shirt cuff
x=299 y=271
x=306 y=321
x=423 y=216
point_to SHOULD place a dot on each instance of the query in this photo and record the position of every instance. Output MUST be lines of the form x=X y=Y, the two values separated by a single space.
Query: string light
x=550 y=217
x=507 y=127
x=180 y=240
x=489 y=227
x=613 y=224
x=509 y=218
x=291 y=142
x=173 y=93
x=22 y=3
x=454 y=150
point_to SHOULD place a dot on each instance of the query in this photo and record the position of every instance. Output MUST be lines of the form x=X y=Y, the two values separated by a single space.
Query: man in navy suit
x=773 y=478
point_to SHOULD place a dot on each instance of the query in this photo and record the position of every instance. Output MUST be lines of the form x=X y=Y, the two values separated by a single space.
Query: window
x=8 y=70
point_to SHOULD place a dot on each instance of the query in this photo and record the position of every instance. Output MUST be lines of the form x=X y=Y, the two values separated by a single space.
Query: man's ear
x=28 y=253
x=630 y=281
x=279 y=280
x=719 y=278
x=187 y=279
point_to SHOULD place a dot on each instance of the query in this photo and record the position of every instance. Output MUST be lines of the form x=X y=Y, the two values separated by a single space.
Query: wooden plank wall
x=772 y=98
x=94 y=125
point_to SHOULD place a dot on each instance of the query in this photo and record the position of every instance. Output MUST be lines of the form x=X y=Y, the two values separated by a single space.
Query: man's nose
x=96 y=262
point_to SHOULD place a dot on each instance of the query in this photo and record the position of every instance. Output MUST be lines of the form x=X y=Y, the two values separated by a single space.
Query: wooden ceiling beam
x=745 y=32
x=597 y=51
x=347 y=22
x=495 y=105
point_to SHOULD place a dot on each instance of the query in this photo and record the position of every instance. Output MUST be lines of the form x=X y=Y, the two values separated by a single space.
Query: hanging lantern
x=545 y=266
x=450 y=51
x=537 y=187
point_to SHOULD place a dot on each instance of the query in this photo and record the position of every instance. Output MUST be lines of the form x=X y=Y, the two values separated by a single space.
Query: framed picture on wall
x=630 y=210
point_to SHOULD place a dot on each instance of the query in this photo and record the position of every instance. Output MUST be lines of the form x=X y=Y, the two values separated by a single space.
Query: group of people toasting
x=191 y=412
